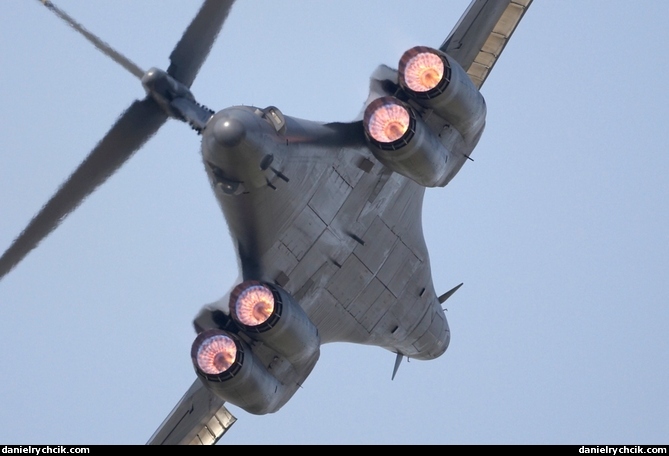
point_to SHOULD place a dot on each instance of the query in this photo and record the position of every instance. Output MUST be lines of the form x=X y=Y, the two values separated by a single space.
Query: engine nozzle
x=424 y=72
x=252 y=304
x=216 y=353
x=389 y=123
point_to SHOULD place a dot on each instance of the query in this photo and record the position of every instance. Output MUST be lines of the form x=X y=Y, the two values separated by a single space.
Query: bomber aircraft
x=325 y=217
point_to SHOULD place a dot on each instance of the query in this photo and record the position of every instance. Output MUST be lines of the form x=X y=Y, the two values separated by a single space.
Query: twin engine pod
x=273 y=350
x=227 y=367
x=431 y=82
x=437 y=81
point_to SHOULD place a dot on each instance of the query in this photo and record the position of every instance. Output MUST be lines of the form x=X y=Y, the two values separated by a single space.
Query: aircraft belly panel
x=419 y=330
x=282 y=260
x=260 y=218
x=365 y=300
x=349 y=281
x=413 y=305
x=348 y=219
x=433 y=332
x=352 y=170
x=403 y=216
x=344 y=237
x=330 y=196
x=316 y=281
x=306 y=228
x=326 y=250
x=398 y=268
x=379 y=307
x=378 y=242
x=334 y=323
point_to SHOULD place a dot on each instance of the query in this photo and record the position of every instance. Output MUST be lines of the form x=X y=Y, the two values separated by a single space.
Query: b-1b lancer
x=325 y=217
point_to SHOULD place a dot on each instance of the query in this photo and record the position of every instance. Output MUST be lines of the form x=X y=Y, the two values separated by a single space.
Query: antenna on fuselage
x=398 y=361
x=449 y=293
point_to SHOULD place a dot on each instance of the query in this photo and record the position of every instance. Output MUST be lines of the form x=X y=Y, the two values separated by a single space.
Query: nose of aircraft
x=234 y=141
x=229 y=131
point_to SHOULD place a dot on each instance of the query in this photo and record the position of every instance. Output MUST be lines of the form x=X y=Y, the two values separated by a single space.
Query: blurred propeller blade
x=192 y=50
x=97 y=42
x=135 y=126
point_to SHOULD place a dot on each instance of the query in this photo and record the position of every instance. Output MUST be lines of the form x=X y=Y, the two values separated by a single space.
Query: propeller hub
x=164 y=89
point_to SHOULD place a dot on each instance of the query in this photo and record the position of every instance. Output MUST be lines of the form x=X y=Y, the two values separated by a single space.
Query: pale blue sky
x=559 y=229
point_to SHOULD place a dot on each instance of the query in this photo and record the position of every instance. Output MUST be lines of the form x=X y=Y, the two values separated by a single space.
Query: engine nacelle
x=436 y=81
x=400 y=140
x=262 y=353
x=227 y=366
x=268 y=313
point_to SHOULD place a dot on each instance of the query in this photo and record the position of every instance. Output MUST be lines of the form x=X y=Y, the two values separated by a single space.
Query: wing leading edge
x=200 y=418
x=481 y=34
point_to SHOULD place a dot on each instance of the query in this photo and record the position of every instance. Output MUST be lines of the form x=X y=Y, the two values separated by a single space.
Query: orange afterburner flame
x=389 y=122
x=423 y=72
x=254 y=305
x=216 y=354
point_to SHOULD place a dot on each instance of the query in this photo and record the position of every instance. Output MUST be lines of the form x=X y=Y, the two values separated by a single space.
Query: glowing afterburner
x=254 y=305
x=216 y=354
x=388 y=122
x=423 y=71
